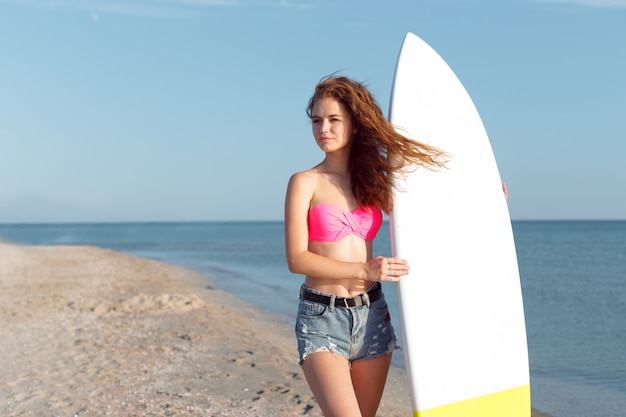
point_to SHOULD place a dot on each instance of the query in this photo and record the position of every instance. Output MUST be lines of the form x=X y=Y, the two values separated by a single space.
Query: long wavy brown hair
x=378 y=152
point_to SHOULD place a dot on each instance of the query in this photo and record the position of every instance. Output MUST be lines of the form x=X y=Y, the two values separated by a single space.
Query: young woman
x=332 y=213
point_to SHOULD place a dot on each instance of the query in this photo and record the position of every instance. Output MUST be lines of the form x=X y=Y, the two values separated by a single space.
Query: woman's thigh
x=368 y=381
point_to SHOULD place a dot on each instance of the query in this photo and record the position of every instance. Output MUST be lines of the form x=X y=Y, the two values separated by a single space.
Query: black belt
x=374 y=293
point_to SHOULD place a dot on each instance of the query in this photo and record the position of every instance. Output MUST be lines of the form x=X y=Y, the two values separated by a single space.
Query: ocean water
x=573 y=277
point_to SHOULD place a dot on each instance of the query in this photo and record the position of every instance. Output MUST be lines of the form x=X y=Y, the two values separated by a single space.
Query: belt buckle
x=356 y=301
x=365 y=299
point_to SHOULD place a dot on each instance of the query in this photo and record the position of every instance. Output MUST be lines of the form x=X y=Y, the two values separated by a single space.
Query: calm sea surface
x=573 y=279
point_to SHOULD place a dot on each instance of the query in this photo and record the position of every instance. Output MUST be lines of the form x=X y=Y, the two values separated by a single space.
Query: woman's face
x=332 y=125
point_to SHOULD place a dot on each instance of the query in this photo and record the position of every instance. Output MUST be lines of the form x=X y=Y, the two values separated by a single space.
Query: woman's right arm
x=300 y=259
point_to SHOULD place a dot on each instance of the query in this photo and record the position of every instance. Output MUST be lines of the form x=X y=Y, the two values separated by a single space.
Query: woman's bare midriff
x=351 y=248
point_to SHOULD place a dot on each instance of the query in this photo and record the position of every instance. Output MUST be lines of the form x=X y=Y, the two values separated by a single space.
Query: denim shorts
x=355 y=333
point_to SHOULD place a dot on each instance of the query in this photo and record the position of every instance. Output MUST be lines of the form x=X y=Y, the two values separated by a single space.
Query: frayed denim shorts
x=355 y=333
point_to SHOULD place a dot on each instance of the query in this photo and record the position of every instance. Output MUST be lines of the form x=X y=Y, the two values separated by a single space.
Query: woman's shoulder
x=304 y=184
x=310 y=176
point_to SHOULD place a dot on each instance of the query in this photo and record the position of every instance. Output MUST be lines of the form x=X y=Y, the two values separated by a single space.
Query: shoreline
x=91 y=332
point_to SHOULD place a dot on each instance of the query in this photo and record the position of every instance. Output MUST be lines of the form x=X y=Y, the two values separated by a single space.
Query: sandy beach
x=92 y=332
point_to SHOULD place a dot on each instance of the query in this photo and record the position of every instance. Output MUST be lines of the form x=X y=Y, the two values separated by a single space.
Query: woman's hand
x=386 y=269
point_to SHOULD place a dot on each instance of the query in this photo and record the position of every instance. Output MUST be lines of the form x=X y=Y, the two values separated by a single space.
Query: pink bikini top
x=330 y=223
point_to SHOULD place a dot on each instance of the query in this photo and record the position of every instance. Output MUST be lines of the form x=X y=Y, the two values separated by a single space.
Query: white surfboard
x=461 y=312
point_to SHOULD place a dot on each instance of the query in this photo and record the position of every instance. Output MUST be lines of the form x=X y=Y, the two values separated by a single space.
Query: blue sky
x=176 y=110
